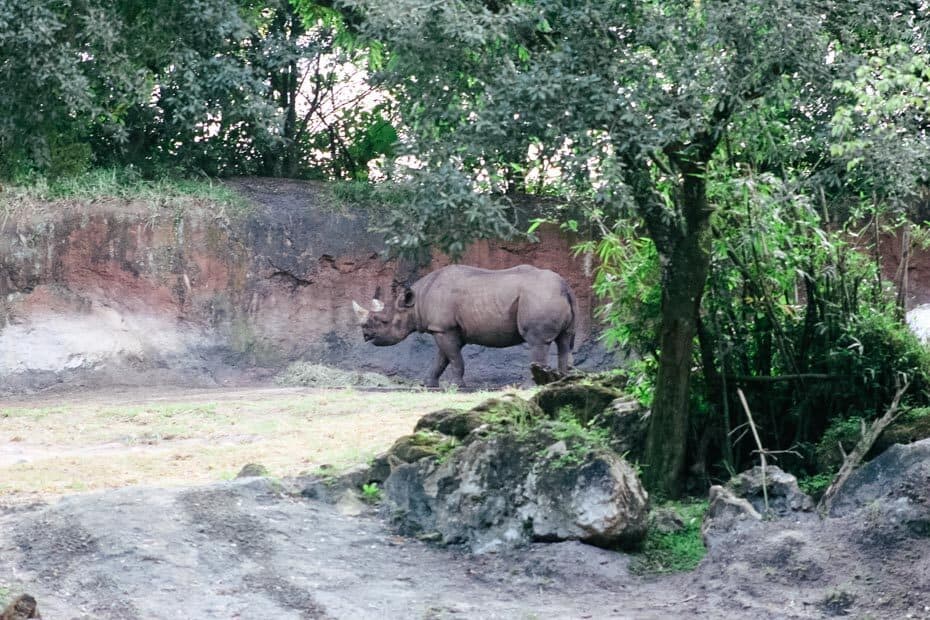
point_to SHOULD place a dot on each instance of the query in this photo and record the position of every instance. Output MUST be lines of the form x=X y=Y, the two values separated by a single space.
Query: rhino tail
x=570 y=295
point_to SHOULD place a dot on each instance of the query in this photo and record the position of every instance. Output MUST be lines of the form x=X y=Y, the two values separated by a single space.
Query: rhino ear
x=406 y=299
x=360 y=312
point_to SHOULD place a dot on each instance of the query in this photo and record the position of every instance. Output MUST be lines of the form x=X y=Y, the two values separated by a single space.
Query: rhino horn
x=360 y=312
x=376 y=305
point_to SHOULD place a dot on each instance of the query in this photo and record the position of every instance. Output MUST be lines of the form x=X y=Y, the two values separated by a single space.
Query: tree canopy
x=628 y=109
x=214 y=87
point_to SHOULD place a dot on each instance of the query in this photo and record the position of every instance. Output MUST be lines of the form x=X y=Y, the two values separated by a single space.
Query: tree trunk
x=686 y=259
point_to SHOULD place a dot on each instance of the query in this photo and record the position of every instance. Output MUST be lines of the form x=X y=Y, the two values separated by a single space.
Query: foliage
x=881 y=132
x=798 y=317
x=580 y=439
x=840 y=438
x=817 y=484
x=627 y=279
x=669 y=552
x=210 y=87
x=371 y=492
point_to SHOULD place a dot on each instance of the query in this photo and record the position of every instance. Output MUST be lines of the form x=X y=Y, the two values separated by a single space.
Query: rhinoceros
x=462 y=305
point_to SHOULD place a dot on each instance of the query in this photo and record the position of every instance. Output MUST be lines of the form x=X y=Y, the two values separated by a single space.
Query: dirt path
x=254 y=549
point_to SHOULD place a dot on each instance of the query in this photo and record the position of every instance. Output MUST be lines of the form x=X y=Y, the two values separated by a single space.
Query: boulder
x=727 y=514
x=584 y=398
x=888 y=499
x=452 y=422
x=508 y=412
x=252 y=470
x=784 y=495
x=412 y=448
x=737 y=508
x=627 y=421
x=508 y=489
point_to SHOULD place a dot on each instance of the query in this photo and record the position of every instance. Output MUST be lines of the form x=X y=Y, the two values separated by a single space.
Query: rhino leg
x=450 y=346
x=435 y=371
x=564 y=344
x=539 y=354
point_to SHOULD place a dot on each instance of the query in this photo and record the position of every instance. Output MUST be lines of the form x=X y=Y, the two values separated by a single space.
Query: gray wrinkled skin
x=462 y=305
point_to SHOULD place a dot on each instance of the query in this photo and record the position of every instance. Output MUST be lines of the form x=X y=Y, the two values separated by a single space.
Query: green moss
x=510 y=413
x=671 y=552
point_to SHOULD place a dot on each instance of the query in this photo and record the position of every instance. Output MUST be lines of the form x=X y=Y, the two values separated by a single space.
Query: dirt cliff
x=121 y=291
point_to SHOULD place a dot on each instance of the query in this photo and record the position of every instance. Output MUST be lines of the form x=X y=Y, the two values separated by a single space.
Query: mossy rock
x=452 y=422
x=585 y=399
x=508 y=411
x=412 y=448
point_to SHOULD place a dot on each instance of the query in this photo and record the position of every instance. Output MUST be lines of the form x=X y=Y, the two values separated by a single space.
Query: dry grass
x=94 y=441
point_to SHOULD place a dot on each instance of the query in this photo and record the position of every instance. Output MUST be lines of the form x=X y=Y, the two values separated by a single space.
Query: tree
x=213 y=87
x=634 y=98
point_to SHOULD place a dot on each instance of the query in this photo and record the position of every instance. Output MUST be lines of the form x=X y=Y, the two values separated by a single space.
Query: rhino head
x=387 y=324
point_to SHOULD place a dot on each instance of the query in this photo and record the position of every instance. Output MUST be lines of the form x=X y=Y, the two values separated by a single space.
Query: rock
x=329 y=487
x=889 y=497
x=508 y=411
x=600 y=502
x=544 y=375
x=584 y=398
x=726 y=513
x=508 y=489
x=784 y=495
x=252 y=470
x=736 y=508
x=628 y=421
x=412 y=448
x=380 y=468
x=23 y=607
x=452 y=422
x=666 y=521
x=349 y=504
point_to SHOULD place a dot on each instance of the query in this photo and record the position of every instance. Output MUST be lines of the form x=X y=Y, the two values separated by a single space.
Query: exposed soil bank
x=110 y=291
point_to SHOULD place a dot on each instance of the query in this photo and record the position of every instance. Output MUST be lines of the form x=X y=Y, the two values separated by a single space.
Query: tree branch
x=852 y=460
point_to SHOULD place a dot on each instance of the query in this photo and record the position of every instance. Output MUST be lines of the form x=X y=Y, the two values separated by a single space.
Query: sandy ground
x=252 y=549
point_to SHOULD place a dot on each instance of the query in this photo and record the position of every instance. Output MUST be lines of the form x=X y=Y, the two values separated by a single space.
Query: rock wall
x=114 y=291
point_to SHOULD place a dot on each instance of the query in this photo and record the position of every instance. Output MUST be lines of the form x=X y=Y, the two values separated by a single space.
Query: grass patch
x=374 y=196
x=93 y=441
x=672 y=552
x=128 y=184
